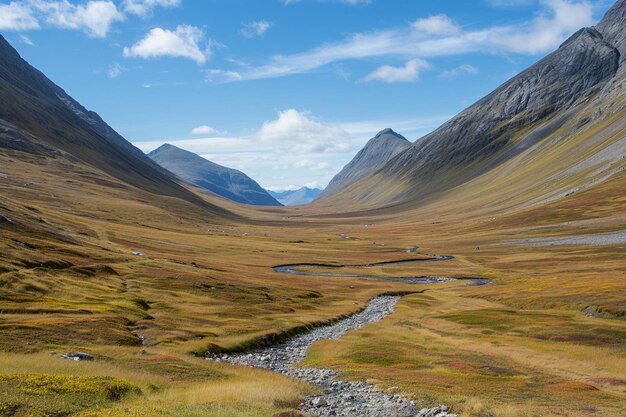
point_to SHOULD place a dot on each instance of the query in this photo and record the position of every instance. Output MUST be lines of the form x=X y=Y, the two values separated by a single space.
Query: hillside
x=40 y=111
x=500 y=237
x=374 y=155
x=578 y=85
x=226 y=182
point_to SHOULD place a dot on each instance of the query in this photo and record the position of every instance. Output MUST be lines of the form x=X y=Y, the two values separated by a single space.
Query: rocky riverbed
x=340 y=398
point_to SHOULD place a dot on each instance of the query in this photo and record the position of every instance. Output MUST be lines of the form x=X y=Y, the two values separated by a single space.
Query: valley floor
x=149 y=287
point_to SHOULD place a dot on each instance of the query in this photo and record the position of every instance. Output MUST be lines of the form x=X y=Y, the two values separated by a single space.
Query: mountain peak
x=226 y=182
x=389 y=132
x=374 y=155
x=166 y=147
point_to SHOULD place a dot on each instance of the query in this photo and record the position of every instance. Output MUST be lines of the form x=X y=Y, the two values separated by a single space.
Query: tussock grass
x=519 y=347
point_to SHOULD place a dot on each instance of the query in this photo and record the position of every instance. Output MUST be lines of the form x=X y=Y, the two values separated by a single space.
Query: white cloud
x=436 y=25
x=278 y=189
x=204 y=130
x=437 y=36
x=217 y=74
x=410 y=72
x=460 y=70
x=144 y=8
x=306 y=163
x=115 y=70
x=184 y=42
x=547 y=31
x=254 y=29
x=94 y=17
x=27 y=40
x=271 y=159
x=17 y=16
x=299 y=132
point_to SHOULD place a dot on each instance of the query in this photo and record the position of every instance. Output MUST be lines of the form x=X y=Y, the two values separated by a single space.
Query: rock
x=78 y=356
x=341 y=398
x=319 y=402
x=378 y=151
x=589 y=65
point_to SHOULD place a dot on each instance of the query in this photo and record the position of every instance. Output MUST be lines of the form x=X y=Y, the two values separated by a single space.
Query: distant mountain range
x=298 y=197
x=574 y=88
x=226 y=182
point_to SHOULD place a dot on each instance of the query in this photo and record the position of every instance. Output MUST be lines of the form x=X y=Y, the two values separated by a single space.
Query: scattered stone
x=77 y=356
x=340 y=398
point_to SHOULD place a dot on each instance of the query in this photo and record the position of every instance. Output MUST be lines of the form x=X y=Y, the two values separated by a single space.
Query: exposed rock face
x=376 y=153
x=578 y=68
x=36 y=111
x=223 y=181
x=590 y=67
x=613 y=32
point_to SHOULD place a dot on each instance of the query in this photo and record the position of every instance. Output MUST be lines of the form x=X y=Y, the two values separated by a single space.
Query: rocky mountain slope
x=374 y=155
x=38 y=116
x=579 y=84
x=226 y=182
x=298 y=197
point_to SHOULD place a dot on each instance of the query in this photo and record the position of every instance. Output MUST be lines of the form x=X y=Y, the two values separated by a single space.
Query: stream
x=340 y=397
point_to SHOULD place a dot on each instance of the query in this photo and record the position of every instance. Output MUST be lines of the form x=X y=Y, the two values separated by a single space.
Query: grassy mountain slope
x=226 y=182
x=579 y=84
x=32 y=103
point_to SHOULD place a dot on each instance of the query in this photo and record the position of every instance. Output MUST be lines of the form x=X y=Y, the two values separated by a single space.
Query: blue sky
x=285 y=90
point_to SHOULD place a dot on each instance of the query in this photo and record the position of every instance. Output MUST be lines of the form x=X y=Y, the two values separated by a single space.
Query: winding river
x=296 y=269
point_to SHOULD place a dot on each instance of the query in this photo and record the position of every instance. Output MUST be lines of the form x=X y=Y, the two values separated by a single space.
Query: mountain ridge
x=376 y=152
x=586 y=67
x=223 y=181
x=32 y=103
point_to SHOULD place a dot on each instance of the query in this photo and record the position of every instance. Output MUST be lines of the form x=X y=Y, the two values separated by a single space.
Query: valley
x=479 y=271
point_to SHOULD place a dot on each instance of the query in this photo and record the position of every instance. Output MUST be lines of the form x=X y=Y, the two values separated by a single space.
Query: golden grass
x=521 y=346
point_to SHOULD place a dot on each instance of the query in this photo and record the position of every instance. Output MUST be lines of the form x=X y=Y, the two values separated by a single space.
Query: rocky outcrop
x=587 y=69
x=579 y=68
x=223 y=181
x=613 y=32
x=374 y=155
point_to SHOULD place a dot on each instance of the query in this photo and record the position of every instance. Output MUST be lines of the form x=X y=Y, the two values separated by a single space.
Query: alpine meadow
x=433 y=224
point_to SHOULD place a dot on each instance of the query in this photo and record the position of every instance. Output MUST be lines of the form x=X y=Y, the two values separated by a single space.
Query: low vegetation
x=545 y=338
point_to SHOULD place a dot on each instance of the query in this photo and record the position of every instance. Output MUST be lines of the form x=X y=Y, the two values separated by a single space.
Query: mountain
x=39 y=117
x=570 y=90
x=374 y=155
x=298 y=197
x=223 y=181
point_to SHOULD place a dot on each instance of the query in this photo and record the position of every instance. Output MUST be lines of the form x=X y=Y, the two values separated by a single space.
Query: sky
x=285 y=90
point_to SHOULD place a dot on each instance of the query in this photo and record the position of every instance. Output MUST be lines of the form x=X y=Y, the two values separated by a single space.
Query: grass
x=522 y=346
x=444 y=348
x=58 y=395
